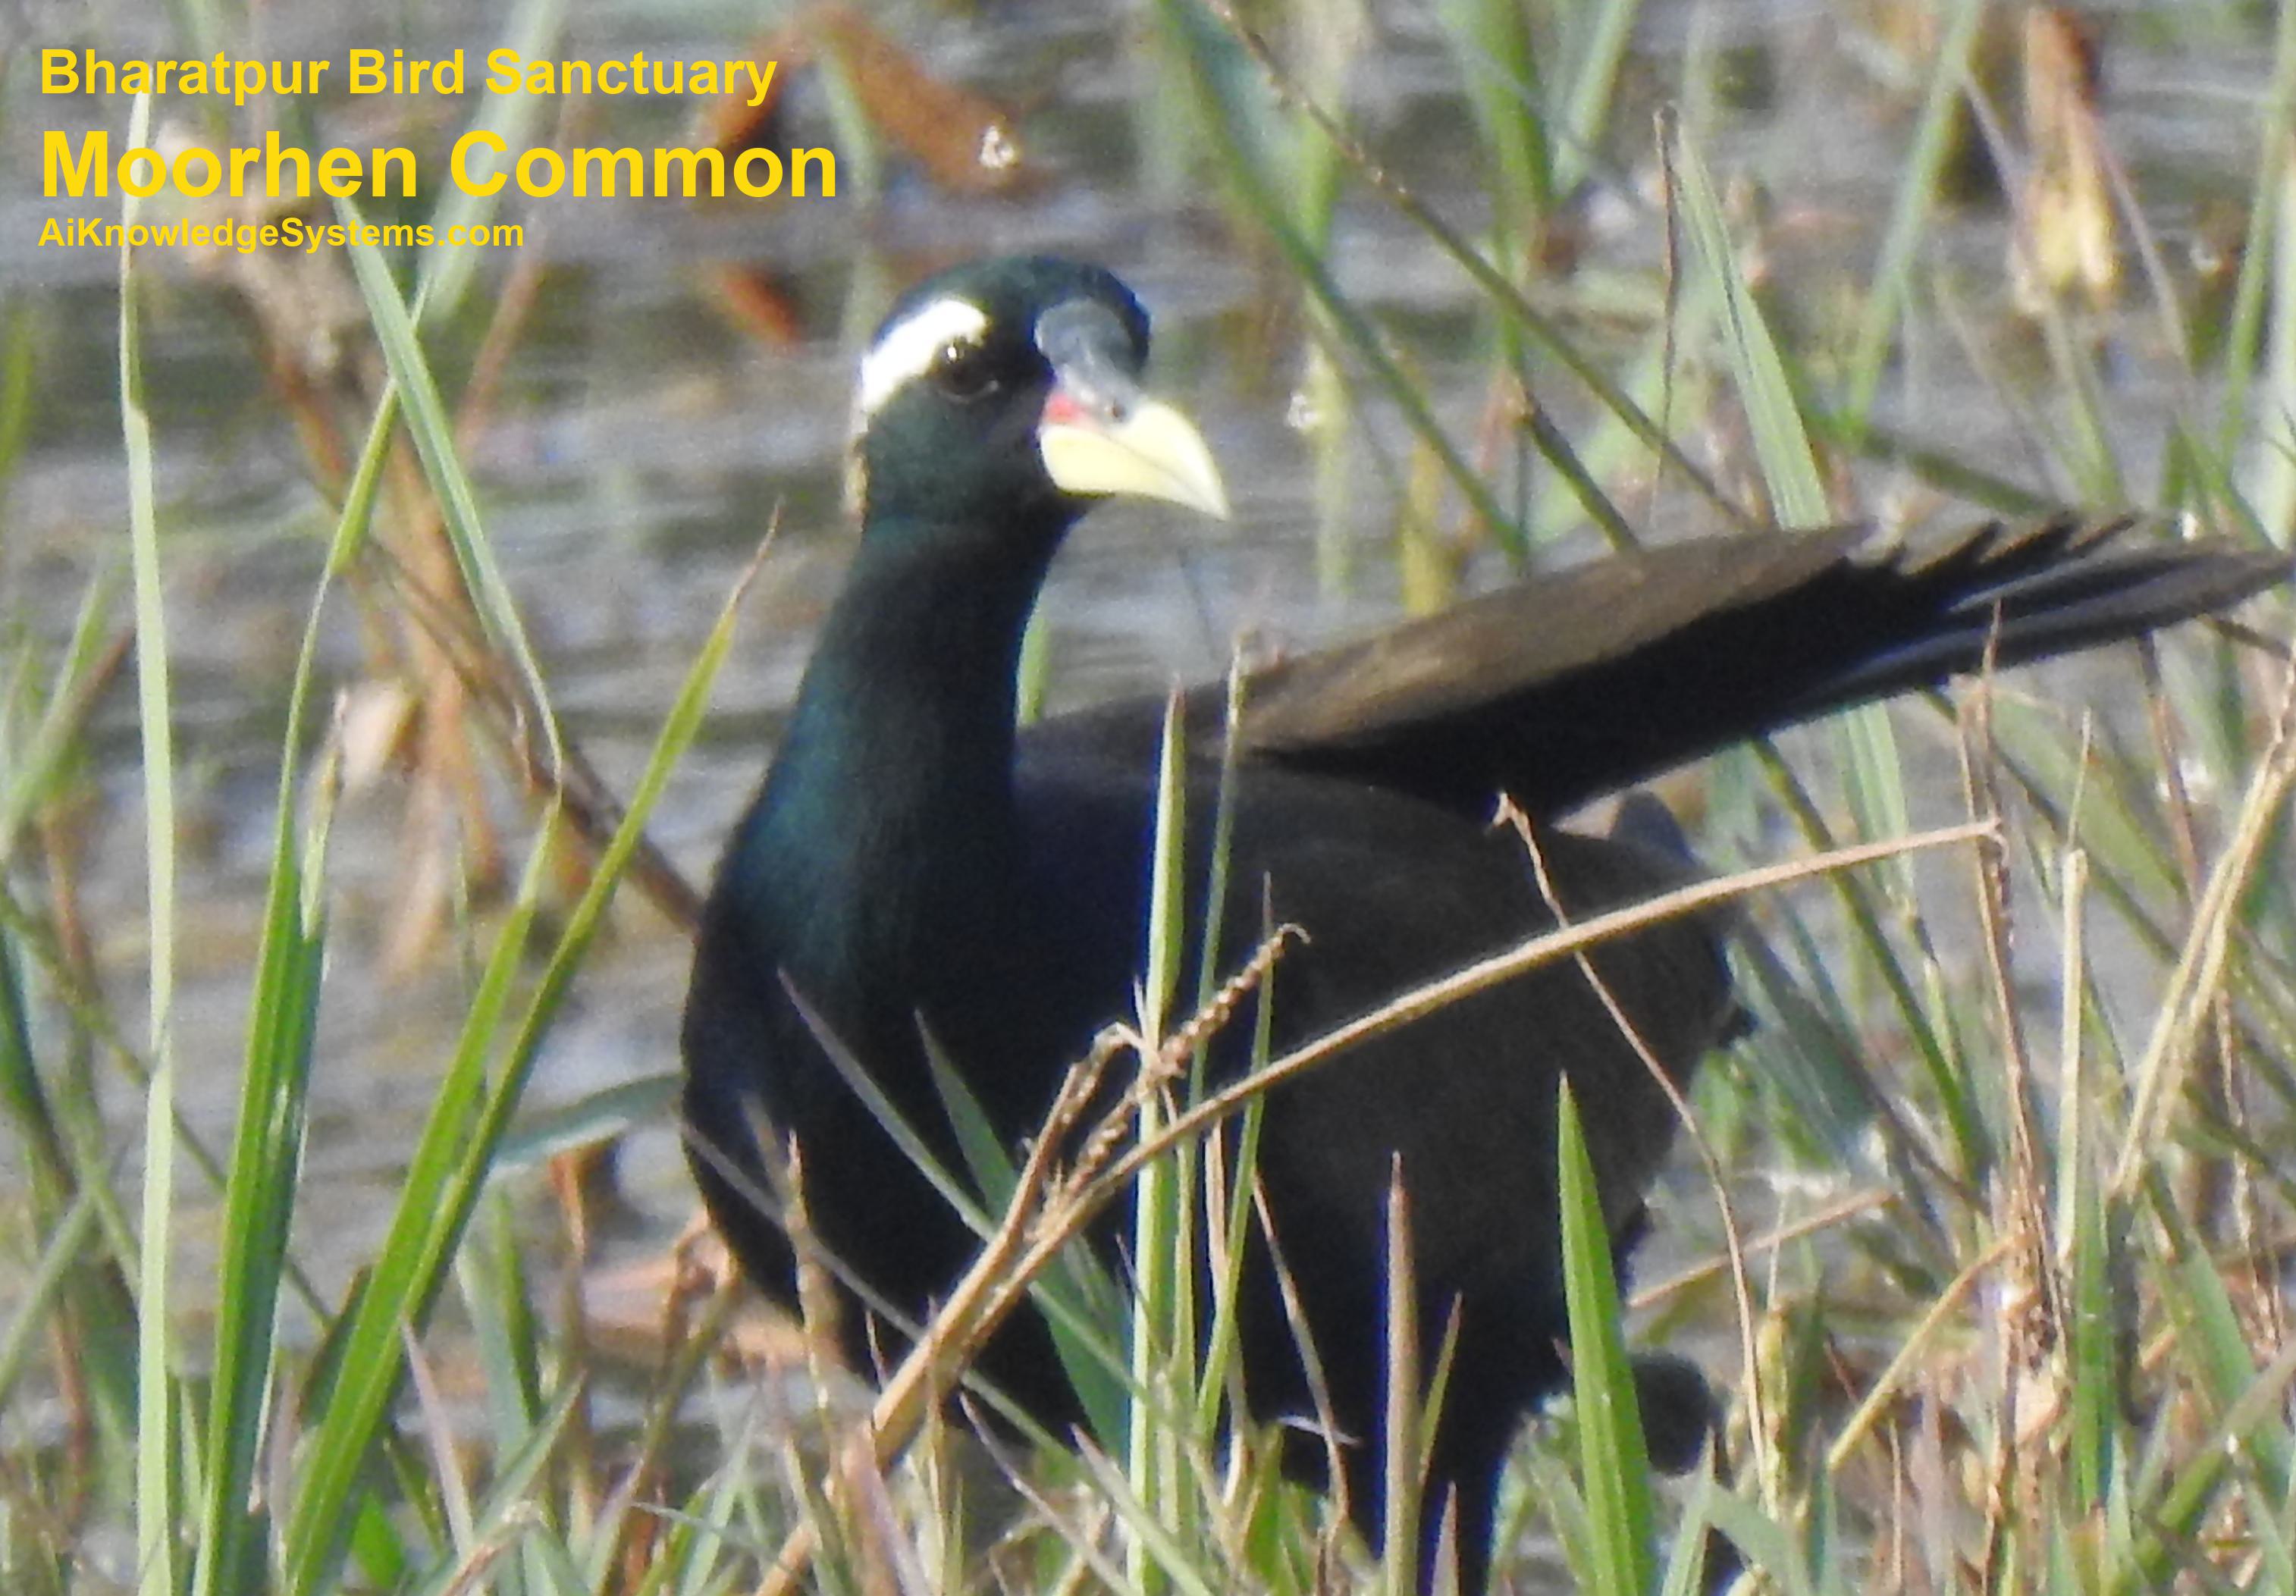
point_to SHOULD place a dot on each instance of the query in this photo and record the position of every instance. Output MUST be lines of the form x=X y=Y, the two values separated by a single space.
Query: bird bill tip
x=1151 y=452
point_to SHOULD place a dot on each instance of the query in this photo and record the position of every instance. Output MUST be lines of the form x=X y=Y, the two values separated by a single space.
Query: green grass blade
x=1163 y=1234
x=1781 y=442
x=1498 y=69
x=504 y=1513
x=451 y=1163
x=1616 y=1470
x=1890 y=285
x=1600 y=56
x=433 y=430
x=157 y=1473
x=260 y=1203
x=43 y=1289
x=1230 y=119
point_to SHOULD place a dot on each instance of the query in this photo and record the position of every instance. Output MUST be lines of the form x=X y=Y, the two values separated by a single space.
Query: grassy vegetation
x=1992 y=1267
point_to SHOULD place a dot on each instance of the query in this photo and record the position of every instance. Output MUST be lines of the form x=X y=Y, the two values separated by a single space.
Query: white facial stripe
x=905 y=349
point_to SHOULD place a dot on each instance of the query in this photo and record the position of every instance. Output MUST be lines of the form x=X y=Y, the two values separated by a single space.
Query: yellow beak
x=1152 y=451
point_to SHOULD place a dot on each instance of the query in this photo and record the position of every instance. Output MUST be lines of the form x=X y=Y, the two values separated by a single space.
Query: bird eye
x=962 y=369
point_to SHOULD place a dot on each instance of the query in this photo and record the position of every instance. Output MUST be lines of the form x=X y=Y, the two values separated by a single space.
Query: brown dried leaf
x=374 y=724
x=756 y=299
x=964 y=142
x=731 y=124
x=2069 y=242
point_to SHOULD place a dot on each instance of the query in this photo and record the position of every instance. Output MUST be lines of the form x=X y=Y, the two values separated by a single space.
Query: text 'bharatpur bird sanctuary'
x=82 y=166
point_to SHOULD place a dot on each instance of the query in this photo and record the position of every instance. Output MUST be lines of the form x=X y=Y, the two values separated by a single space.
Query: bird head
x=1010 y=389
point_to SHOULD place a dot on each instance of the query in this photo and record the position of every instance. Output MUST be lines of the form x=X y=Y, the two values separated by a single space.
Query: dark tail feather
x=1567 y=686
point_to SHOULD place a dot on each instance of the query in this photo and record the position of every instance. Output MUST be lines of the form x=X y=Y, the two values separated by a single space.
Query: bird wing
x=1567 y=685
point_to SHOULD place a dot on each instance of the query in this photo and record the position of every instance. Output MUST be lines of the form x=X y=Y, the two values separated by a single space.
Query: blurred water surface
x=641 y=444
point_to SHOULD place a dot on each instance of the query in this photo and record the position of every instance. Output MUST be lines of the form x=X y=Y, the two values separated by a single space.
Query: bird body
x=917 y=878
x=980 y=950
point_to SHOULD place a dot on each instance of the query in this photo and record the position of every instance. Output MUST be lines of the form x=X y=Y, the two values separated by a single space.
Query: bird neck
x=890 y=799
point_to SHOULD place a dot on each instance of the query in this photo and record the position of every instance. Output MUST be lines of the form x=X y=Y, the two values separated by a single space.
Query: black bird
x=913 y=867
